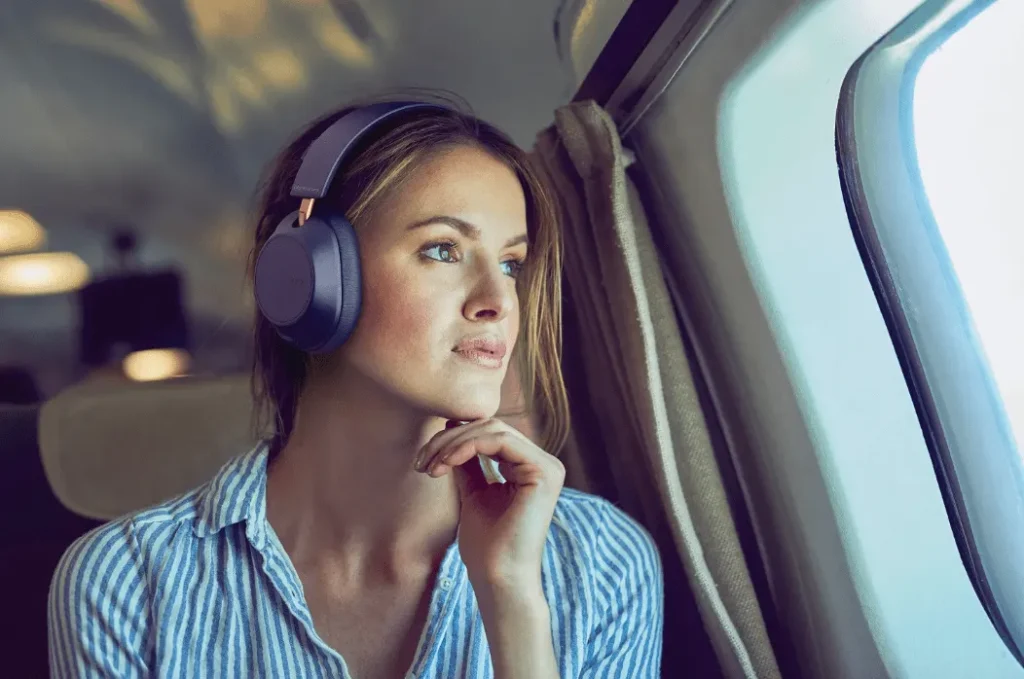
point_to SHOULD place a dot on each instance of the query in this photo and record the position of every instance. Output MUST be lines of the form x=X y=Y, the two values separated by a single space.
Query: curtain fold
x=639 y=435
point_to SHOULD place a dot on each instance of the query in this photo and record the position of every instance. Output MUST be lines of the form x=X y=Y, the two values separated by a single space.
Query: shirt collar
x=237 y=493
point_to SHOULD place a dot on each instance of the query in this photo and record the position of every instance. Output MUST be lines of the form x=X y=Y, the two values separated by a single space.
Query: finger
x=440 y=440
x=454 y=455
x=505 y=447
x=466 y=434
x=446 y=440
x=502 y=442
x=546 y=470
x=504 y=468
x=526 y=475
x=514 y=442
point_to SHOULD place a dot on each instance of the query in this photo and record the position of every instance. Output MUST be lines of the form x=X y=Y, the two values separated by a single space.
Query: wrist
x=512 y=598
x=508 y=581
x=517 y=622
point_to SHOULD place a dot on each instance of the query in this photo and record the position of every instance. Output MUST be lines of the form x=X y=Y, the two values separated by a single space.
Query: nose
x=493 y=296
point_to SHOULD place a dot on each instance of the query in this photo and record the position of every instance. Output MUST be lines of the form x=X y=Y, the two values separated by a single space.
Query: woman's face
x=439 y=260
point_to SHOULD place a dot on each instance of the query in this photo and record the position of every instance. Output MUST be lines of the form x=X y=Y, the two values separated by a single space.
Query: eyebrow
x=468 y=230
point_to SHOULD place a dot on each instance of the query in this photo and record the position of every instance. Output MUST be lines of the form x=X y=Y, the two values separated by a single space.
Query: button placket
x=440 y=609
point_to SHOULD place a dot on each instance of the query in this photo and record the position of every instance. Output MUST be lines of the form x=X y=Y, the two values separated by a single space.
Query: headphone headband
x=325 y=155
x=307 y=279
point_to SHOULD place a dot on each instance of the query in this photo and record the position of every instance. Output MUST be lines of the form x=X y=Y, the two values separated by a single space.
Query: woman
x=362 y=539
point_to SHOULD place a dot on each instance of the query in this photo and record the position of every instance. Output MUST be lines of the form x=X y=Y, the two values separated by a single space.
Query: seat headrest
x=113 y=448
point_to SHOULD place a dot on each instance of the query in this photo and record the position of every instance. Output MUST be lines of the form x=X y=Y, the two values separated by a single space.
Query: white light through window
x=969 y=132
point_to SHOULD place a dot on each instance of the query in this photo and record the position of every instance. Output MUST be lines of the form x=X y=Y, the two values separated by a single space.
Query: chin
x=470 y=404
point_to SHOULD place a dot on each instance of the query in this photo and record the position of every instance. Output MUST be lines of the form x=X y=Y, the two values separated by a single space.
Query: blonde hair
x=377 y=168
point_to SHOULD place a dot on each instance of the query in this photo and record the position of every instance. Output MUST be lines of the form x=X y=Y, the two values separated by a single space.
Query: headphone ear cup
x=283 y=276
x=308 y=282
x=351 y=282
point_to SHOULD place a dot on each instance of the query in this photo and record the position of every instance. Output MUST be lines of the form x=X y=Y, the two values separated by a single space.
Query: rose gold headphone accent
x=305 y=210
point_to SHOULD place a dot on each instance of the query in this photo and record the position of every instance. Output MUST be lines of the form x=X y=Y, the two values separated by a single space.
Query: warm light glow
x=245 y=85
x=338 y=39
x=19 y=232
x=228 y=18
x=42 y=273
x=155 y=364
x=280 y=68
x=579 y=30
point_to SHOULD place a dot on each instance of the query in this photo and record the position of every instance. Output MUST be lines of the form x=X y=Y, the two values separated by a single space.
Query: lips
x=485 y=351
x=483 y=345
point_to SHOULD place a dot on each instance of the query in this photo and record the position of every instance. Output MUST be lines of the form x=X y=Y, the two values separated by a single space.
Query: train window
x=930 y=143
x=969 y=137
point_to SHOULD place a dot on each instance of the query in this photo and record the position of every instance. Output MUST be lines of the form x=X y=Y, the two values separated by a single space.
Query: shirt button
x=446 y=583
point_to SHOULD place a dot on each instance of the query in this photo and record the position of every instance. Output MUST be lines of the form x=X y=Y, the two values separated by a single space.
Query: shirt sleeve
x=627 y=638
x=97 y=617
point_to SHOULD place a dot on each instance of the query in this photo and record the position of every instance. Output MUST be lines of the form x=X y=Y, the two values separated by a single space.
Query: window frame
x=953 y=390
x=743 y=188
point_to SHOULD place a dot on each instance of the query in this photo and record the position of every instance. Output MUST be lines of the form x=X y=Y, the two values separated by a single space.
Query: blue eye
x=517 y=266
x=447 y=252
x=441 y=247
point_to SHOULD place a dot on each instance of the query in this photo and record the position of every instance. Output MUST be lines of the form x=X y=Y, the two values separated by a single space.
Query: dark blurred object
x=18 y=386
x=131 y=312
x=125 y=242
x=35 y=531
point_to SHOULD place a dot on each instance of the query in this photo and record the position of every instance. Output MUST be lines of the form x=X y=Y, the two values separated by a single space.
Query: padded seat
x=93 y=453
x=112 y=448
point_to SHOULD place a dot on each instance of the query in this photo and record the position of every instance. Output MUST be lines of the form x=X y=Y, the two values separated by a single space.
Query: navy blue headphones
x=307 y=278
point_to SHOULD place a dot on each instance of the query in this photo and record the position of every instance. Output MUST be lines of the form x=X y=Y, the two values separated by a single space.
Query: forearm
x=518 y=627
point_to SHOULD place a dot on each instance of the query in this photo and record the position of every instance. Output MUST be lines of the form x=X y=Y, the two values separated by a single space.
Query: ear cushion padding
x=351 y=278
x=308 y=282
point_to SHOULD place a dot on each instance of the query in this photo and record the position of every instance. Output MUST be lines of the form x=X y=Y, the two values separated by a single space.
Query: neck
x=343 y=491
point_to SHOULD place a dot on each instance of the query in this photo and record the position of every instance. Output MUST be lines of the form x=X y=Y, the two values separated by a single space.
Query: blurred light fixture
x=156 y=364
x=281 y=69
x=42 y=273
x=228 y=19
x=337 y=38
x=245 y=84
x=19 y=232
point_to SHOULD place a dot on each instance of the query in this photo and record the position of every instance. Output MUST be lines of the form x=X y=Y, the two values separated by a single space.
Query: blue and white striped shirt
x=198 y=587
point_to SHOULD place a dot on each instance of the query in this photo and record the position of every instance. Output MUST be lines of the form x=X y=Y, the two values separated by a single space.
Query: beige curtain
x=639 y=434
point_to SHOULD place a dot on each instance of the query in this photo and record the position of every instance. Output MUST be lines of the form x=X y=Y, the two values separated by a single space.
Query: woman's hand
x=503 y=526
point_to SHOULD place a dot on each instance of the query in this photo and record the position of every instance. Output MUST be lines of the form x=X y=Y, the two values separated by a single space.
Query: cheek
x=399 y=314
